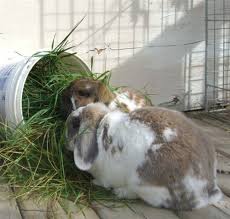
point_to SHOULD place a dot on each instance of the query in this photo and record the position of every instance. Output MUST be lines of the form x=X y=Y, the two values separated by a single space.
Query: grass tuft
x=33 y=156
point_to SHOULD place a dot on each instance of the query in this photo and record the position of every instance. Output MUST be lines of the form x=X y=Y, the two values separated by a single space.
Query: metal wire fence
x=217 y=62
x=105 y=34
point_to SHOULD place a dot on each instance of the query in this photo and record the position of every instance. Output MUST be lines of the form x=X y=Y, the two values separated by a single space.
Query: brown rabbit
x=81 y=92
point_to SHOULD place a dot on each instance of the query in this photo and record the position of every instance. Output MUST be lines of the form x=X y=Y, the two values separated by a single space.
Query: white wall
x=152 y=44
x=19 y=25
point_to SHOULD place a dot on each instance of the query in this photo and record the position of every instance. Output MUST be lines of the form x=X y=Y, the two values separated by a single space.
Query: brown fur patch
x=93 y=116
x=136 y=95
x=123 y=107
x=191 y=149
x=85 y=91
x=105 y=138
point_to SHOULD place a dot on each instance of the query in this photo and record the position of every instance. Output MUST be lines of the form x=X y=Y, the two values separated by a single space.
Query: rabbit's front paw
x=125 y=193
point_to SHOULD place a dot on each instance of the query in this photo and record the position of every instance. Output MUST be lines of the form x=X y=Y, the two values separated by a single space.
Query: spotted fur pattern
x=84 y=91
x=152 y=153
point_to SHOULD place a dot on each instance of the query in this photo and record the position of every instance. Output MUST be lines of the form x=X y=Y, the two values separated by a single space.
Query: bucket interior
x=45 y=82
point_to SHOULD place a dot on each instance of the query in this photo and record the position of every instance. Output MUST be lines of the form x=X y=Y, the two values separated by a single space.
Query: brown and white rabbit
x=81 y=92
x=152 y=153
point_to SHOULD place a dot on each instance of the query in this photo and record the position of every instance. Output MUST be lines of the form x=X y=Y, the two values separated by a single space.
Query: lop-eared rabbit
x=81 y=92
x=151 y=153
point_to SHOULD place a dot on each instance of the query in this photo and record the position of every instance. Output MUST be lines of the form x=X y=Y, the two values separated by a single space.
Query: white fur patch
x=215 y=167
x=73 y=103
x=155 y=195
x=169 y=134
x=79 y=162
x=98 y=107
x=155 y=147
x=124 y=98
x=113 y=105
x=135 y=139
x=195 y=186
x=125 y=193
x=77 y=112
x=216 y=197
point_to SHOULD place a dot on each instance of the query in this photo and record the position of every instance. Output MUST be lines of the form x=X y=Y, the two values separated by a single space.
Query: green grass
x=33 y=156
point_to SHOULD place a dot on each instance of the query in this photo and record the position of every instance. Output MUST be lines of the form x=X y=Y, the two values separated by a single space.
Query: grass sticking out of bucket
x=33 y=156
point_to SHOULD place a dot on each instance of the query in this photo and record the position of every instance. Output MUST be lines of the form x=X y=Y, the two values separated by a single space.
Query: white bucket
x=14 y=70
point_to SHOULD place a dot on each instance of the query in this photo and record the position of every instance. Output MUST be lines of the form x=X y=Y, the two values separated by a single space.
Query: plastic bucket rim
x=15 y=101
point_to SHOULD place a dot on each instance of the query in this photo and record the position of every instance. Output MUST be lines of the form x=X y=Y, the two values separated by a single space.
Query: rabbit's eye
x=84 y=93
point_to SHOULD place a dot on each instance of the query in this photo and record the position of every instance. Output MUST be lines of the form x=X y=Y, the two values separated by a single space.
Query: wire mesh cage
x=217 y=75
x=116 y=32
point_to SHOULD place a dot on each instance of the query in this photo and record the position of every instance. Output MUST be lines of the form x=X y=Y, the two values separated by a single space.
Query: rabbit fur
x=151 y=153
x=81 y=92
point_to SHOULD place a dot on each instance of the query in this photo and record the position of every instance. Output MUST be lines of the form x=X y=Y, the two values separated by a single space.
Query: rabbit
x=129 y=99
x=81 y=92
x=152 y=153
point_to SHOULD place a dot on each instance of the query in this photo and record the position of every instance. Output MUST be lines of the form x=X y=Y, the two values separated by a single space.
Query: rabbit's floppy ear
x=86 y=148
x=104 y=94
x=72 y=129
x=82 y=126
